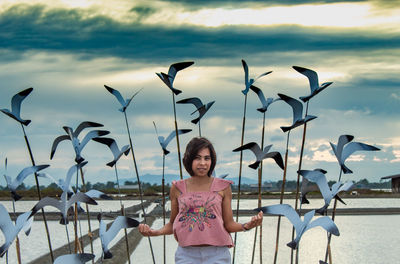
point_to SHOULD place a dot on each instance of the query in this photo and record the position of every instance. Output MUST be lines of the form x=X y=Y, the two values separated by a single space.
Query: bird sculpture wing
x=25 y=173
x=92 y=134
x=24 y=221
x=352 y=147
x=254 y=147
x=192 y=100
x=111 y=143
x=296 y=105
x=261 y=96
x=98 y=194
x=47 y=201
x=342 y=141
x=130 y=99
x=84 y=125
x=16 y=101
x=6 y=226
x=261 y=75
x=174 y=68
x=80 y=197
x=79 y=258
x=55 y=144
x=117 y=95
x=246 y=77
x=319 y=178
x=173 y=134
x=277 y=157
x=285 y=210
x=347 y=186
x=326 y=223
x=311 y=75
x=67 y=182
x=119 y=223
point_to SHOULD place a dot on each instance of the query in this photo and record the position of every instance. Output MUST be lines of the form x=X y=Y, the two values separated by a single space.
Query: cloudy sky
x=68 y=49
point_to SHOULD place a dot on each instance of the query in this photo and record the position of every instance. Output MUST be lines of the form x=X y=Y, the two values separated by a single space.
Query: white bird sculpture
x=79 y=258
x=113 y=146
x=297 y=107
x=265 y=102
x=261 y=154
x=106 y=236
x=248 y=82
x=327 y=193
x=124 y=102
x=345 y=148
x=16 y=102
x=313 y=80
x=169 y=78
x=10 y=231
x=200 y=107
x=165 y=141
x=13 y=184
x=301 y=226
x=76 y=143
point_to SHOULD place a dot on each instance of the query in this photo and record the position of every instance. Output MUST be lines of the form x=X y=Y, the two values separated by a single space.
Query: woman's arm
x=167 y=229
x=227 y=214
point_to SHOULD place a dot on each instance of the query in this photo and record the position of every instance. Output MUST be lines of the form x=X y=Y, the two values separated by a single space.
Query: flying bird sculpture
x=169 y=78
x=10 y=231
x=301 y=226
x=113 y=146
x=297 y=107
x=165 y=141
x=200 y=107
x=265 y=102
x=106 y=236
x=313 y=80
x=16 y=102
x=261 y=154
x=327 y=193
x=307 y=186
x=345 y=148
x=124 y=102
x=77 y=144
x=248 y=82
x=79 y=258
x=13 y=184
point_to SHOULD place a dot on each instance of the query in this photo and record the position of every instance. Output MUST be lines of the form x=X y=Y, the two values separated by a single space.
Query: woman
x=201 y=213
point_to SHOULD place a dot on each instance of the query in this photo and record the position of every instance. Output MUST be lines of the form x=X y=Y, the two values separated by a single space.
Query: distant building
x=395 y=182
x=129 y=187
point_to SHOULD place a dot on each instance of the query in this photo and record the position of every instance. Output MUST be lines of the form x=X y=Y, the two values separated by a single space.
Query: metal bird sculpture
x=248 y=82
x=13 y=184
x=307 y=186
x=265 y=102
x=10 y=231
x=169 y=78
x=77 y=144
x=297 y=107
x=327 y=193
x=113 y=146
x=200 y=107
x=80 y=258
x=106 y=236
x=261 y=154
x=345 y=148
x=16 y=102
x=300 y=226
x=313 y=80
x=124 y=102
x=165 y=141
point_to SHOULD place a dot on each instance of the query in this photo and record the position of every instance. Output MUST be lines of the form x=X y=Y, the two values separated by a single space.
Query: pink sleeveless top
x=199 y=220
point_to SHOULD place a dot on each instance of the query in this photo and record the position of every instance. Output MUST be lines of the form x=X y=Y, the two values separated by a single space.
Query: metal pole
x=139 y=184
x=240 y=174
x=39 y=194
x=177 y=137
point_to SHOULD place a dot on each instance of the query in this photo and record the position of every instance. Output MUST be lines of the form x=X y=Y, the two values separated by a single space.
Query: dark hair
x=193 y=148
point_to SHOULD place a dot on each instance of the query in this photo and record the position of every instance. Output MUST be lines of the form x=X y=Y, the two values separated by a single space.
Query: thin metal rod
x=39 y=194
x=87 y=213
x=298 y=183
x=328 y=245
x=163 y=202
x=17 y=239
x=139 y=183
x=76 y=216
x=240 y=174
x=177 y=137
x=122 y=213
x=199 y=129
x=69 y=243
x=278 y=227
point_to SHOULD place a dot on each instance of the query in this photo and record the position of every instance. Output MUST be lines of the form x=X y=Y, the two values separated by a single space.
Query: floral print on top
x=197 y=213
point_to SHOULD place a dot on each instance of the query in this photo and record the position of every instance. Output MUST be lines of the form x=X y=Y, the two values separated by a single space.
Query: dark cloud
x=74 y=31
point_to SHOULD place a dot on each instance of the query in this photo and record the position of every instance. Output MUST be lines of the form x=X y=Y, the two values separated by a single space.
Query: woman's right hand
x=145 y=230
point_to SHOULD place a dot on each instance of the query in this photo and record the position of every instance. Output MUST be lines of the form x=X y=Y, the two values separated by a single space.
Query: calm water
x=363 y=239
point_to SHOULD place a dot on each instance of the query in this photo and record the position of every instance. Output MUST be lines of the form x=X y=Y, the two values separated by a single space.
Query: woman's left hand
x=255 y=221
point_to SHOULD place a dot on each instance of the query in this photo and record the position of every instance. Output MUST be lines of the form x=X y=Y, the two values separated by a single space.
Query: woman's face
x=201 y=163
